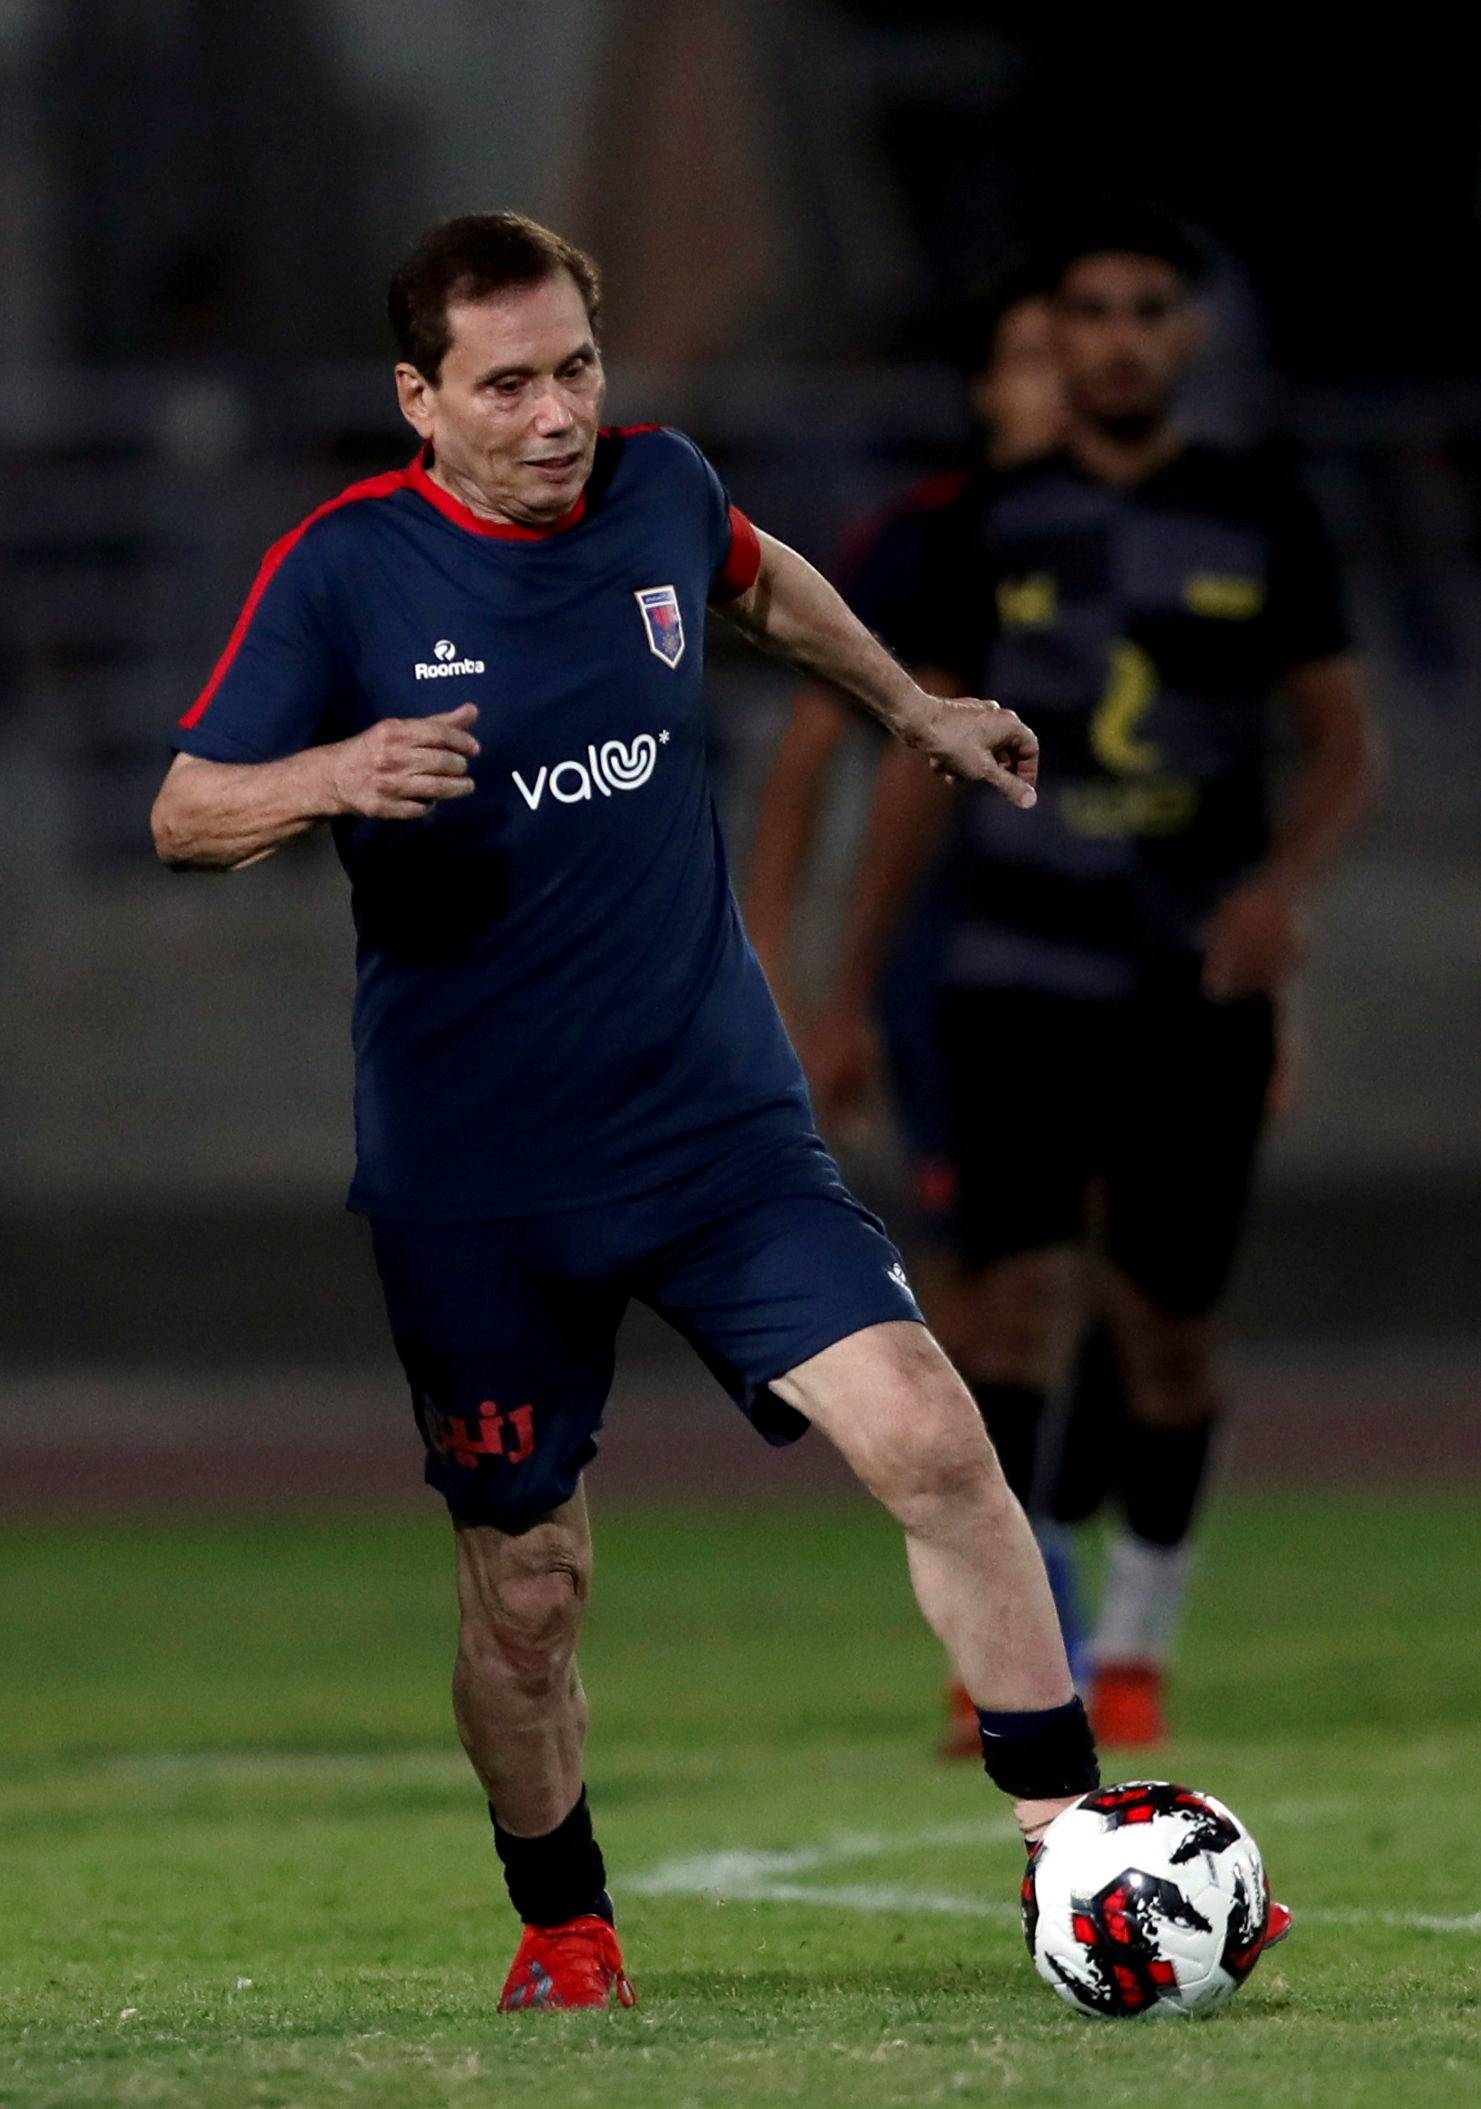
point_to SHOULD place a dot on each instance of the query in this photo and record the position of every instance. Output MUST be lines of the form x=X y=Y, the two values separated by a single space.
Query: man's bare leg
x=517 y=1693
x=522 y=1717
x=893 y=1405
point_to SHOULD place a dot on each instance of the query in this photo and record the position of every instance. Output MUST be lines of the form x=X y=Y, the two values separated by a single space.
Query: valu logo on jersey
x=445 y=660
x=608 y=768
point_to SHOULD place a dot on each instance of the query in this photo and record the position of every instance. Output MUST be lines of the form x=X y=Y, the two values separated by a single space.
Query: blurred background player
x=1003 y=341
x=1144 y=598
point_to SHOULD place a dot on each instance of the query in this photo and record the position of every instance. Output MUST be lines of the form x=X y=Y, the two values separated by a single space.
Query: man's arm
x=791 y=610
x=222 y=816
x=1258 y=934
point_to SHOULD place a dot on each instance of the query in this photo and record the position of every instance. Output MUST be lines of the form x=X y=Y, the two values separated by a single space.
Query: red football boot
x=1277 y=1925
x=578 y=1964
x=1126 y=1705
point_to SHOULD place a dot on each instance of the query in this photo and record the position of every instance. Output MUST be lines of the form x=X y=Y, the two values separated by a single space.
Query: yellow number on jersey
x=1129 y=694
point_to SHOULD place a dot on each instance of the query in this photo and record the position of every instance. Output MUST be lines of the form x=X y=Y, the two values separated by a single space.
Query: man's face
x=1126 y=328
x=513 y=415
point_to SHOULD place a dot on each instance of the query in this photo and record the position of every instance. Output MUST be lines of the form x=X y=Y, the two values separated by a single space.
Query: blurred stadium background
x=200 y=205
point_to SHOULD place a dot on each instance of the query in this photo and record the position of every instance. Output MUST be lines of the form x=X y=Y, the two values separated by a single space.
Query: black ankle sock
x=556 y=1877
x=1084 y=1470
x=1012 y=1413
x=1162 y=1471
x=1033 y=1756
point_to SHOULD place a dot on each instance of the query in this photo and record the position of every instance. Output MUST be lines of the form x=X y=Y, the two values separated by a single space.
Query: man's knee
x=925 y=1488
x=900 y=1414
x=929 y=1458
x=521 y=1604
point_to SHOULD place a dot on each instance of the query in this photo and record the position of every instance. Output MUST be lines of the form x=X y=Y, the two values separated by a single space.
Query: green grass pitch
x=242 y=1864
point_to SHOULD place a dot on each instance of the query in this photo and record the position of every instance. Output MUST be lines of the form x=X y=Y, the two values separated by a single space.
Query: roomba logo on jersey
x=608 y=768
x=445 y=660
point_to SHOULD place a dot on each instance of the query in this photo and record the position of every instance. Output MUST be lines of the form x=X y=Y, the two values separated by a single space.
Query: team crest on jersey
x=659 y=606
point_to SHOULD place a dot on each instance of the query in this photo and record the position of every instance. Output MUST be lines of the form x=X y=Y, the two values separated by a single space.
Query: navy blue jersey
x=556 y=1003
x=1141 y=631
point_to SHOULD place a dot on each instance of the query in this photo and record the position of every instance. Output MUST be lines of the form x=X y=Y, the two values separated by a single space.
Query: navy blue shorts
x=506 y=1330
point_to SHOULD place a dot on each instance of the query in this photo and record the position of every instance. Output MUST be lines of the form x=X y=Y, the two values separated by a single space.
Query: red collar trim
x=463 y=516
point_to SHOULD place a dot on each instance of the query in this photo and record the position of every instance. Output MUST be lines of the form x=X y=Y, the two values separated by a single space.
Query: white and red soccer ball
x=1146 y=1899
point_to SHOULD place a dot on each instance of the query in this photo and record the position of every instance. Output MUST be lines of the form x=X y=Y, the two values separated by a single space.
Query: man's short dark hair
x=1123 y=227
x=473 y=258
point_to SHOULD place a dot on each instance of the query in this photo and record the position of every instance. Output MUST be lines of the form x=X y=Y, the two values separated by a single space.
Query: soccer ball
x=1145 y=1900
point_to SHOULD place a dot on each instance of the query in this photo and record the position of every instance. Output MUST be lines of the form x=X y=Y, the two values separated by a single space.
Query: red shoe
x=1278 y=1924
x=578 y=1964
x=963 y=1737
x=1126 y=1705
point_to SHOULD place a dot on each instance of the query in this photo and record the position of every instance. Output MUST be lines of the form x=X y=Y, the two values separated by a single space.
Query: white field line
x=729 y=1872
x=762 y=1878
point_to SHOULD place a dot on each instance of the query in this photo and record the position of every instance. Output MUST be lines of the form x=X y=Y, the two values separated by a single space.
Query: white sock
x=1142 y=1600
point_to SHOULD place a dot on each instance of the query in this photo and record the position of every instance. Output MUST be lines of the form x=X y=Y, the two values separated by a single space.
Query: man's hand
x=1257 y=938
x=223 y=816
x=976 y=742
x=791 y=610
x=402 y=767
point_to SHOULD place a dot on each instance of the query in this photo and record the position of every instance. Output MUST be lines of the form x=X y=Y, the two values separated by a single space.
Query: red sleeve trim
x=742 y=567
x=223 y=665
x=373 y=487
